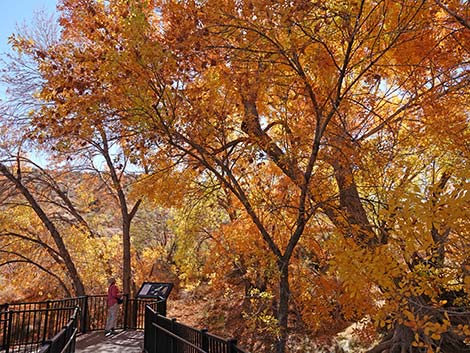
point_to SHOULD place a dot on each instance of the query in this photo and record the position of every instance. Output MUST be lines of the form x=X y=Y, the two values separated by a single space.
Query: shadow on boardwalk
x=122 y=342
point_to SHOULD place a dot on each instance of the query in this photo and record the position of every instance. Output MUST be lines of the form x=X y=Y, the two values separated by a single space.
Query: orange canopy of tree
x=332 y=134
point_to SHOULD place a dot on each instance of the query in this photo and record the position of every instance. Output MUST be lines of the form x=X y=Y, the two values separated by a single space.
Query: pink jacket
x=113 y=295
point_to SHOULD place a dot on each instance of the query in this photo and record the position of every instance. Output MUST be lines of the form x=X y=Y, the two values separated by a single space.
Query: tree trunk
x=400 y=338
x=357 y=222
x=126 y=216
x=126 y=242
x=283 y=309
x=126 y=255
x=72 y=272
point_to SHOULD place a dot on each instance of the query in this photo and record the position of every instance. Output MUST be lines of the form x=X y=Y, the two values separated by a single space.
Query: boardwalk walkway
x=122 y=342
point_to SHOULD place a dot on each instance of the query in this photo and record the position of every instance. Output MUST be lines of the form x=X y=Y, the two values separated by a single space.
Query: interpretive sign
x=155 y=290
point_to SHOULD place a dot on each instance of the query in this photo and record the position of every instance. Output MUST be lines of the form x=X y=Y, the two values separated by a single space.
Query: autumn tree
x=60 y=253
x=72 y=144
x=49 y=218
x=295 y=108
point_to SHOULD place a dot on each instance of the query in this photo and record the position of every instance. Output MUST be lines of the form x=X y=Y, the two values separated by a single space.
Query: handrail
x=63 y=341
x=179 y=338
x=169 y=333
x=70 y=341
x=165 y=335
x=31 y=323
x=40 y=310
x=30 y=328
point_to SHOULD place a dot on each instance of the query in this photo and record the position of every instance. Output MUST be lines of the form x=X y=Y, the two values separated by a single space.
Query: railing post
x=84 y=315
x=75 y=338
x=8 y=341
x=150 y=331
x=174 y=345
x=146 y=330
x=46 y=321
x=135 y=312
x=4 y=323
x=205 y=340
x=156 y=340
x=161 y=306
x=232 y=345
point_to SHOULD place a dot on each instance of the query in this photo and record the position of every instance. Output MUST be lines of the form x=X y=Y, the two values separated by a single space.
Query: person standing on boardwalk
x=113 y=307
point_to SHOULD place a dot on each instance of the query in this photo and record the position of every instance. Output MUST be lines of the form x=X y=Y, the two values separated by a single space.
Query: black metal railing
x=165 y=335
x=131 y=316
x=23 y=326
x=24 y=330
x=64 y=340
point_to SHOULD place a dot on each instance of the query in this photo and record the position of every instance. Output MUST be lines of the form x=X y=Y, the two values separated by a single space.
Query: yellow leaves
x=435 y=330
x=166 y=189
x=464 y=329
x=179 y=73
x=467 y=280
x=408 y=315
x=363 y=267
x=21 y=44
x=260 y=318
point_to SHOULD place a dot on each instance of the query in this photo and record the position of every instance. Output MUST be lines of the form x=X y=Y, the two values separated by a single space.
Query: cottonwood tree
x=23 y=182
x=281 y=102
x=88 y=143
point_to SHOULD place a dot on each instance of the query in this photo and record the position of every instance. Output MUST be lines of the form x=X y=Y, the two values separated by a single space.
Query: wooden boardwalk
x=122 y=342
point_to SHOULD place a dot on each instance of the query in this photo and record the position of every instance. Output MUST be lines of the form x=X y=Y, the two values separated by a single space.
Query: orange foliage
x=324 y=134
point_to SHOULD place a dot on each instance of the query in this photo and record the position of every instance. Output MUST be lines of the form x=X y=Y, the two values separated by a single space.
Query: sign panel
x=155 y=290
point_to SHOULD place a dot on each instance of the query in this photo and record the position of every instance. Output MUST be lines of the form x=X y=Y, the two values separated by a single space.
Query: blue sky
x=18 y=12
x=13 y=12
